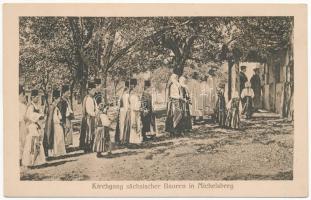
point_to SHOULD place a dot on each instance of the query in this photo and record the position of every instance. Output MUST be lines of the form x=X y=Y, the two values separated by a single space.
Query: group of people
x=135 y=121
x=43 y=135
x=49 y=135
x=244 y=103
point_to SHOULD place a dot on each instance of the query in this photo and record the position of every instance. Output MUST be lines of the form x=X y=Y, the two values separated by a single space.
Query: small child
x=247 y=96
x=234 y=107
x=102 y=142
x=221 y=106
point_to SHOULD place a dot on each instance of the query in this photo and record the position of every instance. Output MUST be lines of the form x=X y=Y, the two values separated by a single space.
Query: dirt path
x=263 y=149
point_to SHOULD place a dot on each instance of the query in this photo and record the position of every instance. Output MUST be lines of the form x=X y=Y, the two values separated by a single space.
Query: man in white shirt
x=89 y=112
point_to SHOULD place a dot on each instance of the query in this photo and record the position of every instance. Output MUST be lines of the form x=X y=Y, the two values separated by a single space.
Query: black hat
x=91 y=85
x=21 y=89
x=133 y=81
x=221 y=85
x=65 y=88
x=147 y=83
x=243 y=67
x=34 y=93
x=56 y=94
x=97 y=81
x=127 y=83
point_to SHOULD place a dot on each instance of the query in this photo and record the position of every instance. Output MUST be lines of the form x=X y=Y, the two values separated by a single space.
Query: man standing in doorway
x=256 y=86
x=243 y=78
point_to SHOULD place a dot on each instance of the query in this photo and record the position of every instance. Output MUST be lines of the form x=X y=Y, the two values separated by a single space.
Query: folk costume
x=221 y=107
x=243 y=78
x=135 y=124
x=147 y=113
x=88 y=126
x=102 y=142
x=234 y=108
x=67 y=115
x=22 y=124
x=173 y=123
x=247 y=96
x=122 y=130
x=256 y=86
x=185 y=103
x=33 y=153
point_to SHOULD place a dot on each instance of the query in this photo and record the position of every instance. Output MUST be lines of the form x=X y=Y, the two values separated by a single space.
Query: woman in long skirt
x=221 y=107
x=135 y=124
x=33 y=153
x=59 y=138
x=173 y=123
x=247 y=95
x=186 y=120
x=234 y=107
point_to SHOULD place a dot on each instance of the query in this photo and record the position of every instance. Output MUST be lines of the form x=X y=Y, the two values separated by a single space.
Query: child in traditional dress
x=102 y=142
x=247 y=96
x=234 y=108
x=221 y=106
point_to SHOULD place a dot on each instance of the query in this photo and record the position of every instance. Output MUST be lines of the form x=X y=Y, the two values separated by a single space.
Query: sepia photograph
x=131 y=102
x=156 y=98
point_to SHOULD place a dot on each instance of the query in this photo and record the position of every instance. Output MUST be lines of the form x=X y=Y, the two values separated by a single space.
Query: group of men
x=44 y=135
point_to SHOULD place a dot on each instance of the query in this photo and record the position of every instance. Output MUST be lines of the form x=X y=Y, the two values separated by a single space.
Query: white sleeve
x=89 y=106
x=31 y=115
x=57 y=116
x=252 y=93
x=243 y=94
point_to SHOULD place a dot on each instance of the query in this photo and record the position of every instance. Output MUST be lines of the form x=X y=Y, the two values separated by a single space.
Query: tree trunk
x=104 y=84
x=230 y=65
x=71 y=93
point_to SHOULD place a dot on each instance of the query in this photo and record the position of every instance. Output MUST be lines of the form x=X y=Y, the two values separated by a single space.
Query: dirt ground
x=261 y=150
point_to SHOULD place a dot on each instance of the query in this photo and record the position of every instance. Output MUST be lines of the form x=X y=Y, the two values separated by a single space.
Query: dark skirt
x=87 y=133
x=233 y=119
x=186 y=117
x=173 y=123
x=248 y=107
x=102 y=141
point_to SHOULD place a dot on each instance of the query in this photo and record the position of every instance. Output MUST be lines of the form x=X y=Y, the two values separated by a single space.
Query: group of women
x=41 y=136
